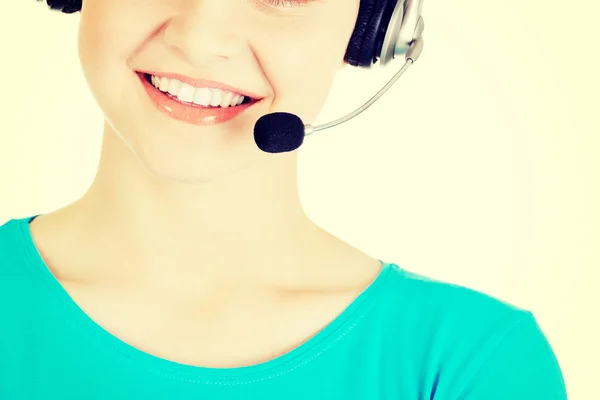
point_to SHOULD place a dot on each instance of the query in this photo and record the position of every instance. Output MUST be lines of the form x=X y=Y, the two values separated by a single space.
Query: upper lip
x=203 y=83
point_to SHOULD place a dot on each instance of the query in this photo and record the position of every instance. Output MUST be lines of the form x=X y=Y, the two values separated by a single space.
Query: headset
x=384 y=29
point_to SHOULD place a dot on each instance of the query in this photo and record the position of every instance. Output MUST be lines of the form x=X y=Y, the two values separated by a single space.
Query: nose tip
x=201 y=39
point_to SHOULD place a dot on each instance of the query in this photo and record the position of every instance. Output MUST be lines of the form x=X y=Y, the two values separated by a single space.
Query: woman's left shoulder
x=409 y=293
x=431 y=312
x=475 y=343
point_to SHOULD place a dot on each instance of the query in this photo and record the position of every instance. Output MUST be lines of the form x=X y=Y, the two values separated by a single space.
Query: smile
x=192 y=103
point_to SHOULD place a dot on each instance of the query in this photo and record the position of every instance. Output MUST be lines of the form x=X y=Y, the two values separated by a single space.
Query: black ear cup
x=371 y=25
x=66 y=6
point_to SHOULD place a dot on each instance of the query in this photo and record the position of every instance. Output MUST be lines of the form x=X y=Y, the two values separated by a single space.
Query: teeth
x=163 y=84
x=186 y=93
x=201 y=96
x=217 y=96
x=174 y=86
x=227 y=96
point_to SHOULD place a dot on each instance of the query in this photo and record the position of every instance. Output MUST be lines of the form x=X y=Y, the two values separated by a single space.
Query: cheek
x=108 y=36
x=302 y=85
x=108 y=31
x=301 y=65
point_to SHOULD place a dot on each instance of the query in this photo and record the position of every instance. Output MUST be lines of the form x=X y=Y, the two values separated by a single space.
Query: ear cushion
x=66 y=6
x=367 y=38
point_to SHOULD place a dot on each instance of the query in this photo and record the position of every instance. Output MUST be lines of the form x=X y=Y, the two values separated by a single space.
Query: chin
x=196 y=162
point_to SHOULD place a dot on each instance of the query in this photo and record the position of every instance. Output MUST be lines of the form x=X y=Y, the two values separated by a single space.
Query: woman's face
x=285 y=53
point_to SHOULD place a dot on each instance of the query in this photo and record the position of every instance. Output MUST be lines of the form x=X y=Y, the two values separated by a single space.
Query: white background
x=480 y=166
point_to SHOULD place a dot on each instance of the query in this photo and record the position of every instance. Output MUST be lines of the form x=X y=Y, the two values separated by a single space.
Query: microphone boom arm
x=310 y=129
x=411 y=56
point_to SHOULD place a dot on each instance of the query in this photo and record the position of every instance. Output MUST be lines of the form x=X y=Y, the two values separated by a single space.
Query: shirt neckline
x=302 y=354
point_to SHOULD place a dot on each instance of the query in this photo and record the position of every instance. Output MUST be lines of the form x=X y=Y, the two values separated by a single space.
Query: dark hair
x=66 y=6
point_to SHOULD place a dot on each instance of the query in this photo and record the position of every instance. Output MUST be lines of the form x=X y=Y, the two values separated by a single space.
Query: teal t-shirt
x=405 y=337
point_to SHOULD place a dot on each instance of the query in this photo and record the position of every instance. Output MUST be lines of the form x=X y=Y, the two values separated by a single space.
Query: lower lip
x=191 y=113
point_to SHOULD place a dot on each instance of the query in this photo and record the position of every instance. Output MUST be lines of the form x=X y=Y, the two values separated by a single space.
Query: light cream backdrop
x=480 y=166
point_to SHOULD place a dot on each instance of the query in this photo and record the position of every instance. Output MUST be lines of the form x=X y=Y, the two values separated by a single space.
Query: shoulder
x=10 y=239
x=412 y=294
x=427 y=313
x=15 y=257
x=450 y=317
x=471 y=341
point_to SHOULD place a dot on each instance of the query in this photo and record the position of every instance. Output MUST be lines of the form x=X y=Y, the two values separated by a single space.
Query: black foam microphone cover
x=66 y=6
x=279 y=132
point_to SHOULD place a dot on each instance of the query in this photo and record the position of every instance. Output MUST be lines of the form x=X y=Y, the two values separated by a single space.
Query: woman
x=189 y=269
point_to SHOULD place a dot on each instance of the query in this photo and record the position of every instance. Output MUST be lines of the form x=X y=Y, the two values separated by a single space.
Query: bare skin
x=192 y=244
x=201 y=322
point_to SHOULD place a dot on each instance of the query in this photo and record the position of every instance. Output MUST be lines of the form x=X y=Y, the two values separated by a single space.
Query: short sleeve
x=522 y=367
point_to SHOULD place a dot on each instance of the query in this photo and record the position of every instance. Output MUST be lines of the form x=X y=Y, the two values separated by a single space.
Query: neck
x=251 y=219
